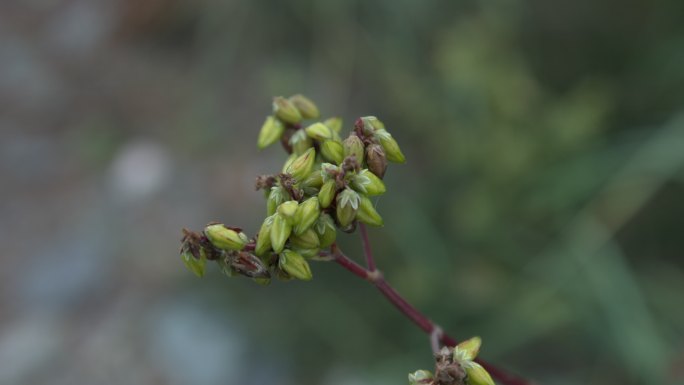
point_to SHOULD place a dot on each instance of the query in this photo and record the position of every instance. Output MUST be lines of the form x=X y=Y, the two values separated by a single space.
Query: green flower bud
x=307 y=213
x=353 y=145
x=300 y=142
x=372 y=185
x=280 y=232
x=468 y=349
x=224 y=238
x=420 y=377
x=327 y=193
x=477 y=375
x=295 y=265
x=288 y=162
x=306 y=240
x=392 y=150
x=325 y=228
x=376 y=160
x=307 y=253
x=286 y=111
x=367 y=213
x=333 y=151
x=277 y=196
x=306 y=107
x=263 y=241
x=314 y=180
x=271 y=131
x=302 y=166
x=287 y=210
x=334 y=124
x=196 y=265
x=319 y=131
x=347 y=206
x=372 y=124
x=329 y=171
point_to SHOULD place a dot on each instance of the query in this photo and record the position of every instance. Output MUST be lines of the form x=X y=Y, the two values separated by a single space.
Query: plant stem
x=423 y=322
x=370 y=262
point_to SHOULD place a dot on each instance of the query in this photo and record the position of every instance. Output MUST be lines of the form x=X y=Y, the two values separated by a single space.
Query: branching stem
x=423 y=322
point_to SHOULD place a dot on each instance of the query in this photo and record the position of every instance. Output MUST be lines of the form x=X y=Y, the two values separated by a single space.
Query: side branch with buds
x=326 y=185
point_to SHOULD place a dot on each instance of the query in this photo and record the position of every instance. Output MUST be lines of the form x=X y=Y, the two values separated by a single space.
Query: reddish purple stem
x=423 y=322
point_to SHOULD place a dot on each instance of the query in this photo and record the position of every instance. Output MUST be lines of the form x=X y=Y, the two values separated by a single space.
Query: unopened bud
x=372 y=124
x=300 y=142
x=306 y=107
x=280 y=232
x=286 y=111
x=302 y=166
x=333 y=151
x=288 y=162
x=325 y=228
x=329 y=171
x=468 y=349
x=353 y=145
x=276 y=196
x=375 y=185
x=391 y=147
x=319 y=131
x=334 y=123
x=224 y=238
x=287 y=210
x=347 y=207
x=307 y=253
x=306 y=240
x=376 y=160
x=477 y=375
x=327 y=193
x=295 y=265
x=314 y=180
x=367 y=213
x=194 y=264
x=248 y=264
x=420 y=377
x=271 y=131
x=263 y=241
x=307 y=213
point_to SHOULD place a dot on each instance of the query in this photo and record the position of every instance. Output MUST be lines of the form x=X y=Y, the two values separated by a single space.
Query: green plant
x=325 y=186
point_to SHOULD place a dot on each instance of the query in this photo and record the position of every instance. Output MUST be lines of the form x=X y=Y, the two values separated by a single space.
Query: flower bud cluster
x=326 y=184
x=455 y=366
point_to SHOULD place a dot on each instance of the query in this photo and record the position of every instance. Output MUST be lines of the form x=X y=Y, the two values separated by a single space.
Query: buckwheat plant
x=326 y=185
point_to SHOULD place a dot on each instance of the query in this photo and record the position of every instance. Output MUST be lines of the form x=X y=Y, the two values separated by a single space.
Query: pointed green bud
x=392 y=150
x=307 y=213
x=196 y=265
x=477 y=375
x=374 y=186
x=306 y=240
x=367 y=213
x=353 y=145
x=334 y=124
x=295 y=265
x=319 y=131
x=332 y=151
x=307 y=253
x=288 y=162
x=372 y=124
x=280 y=232
x=467 y=350
x=277 y=196
x=420 y=377
x=325 y=228
x=224 y=238
x=327 y=193
x=347 y=206
x=286 y=111
x=306 y=107
x=287 y=210
x=376 y=160
x=271 y=131
x=263 y=241
x=302 y=166
x=300 y=142
x=314 y=180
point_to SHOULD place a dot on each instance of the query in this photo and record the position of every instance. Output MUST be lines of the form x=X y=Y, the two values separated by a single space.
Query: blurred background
x=541 y=205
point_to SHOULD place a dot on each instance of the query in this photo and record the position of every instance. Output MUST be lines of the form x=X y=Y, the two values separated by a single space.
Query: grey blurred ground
x=541 y=205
